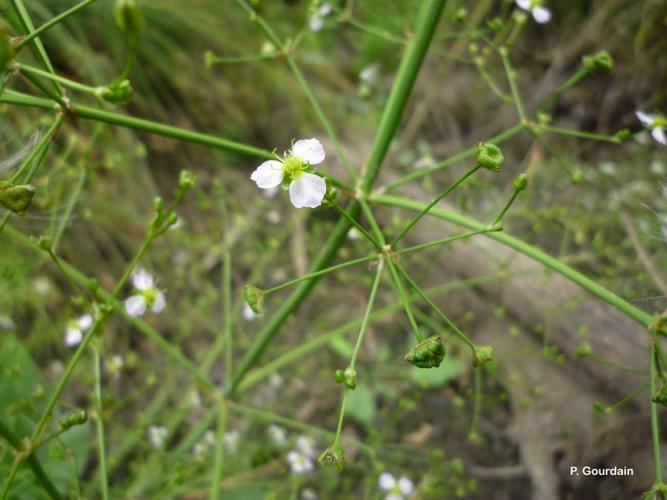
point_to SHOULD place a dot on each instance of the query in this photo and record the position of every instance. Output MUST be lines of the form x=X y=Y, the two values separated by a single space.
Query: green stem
x=655 y=423
x=436 y=309
x=36 y=41
x=359 y=227
x=403 y=298
x=369 y=308
x=52 y=22
x=530 y=251
x=30 y=71
x=507 y=206
x=451 y=239
x=322 y=272
x=149 y=126
x=214 y=491
x=434 y=201
x=582 y=73
x=581 y=134
x=511 y=78
x=101 y=447
x=32 y=78
x=453 y=160
x=341 y=417
x=33 y=462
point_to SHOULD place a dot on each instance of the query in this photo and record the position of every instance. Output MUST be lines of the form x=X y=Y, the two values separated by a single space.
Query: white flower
x=247 y=313
x=231 y=440
x=540 y=13
x=115 y=364
x=370 y=73
x=277 y=434
x=305 y=445
x=396 y=489
x=305 y=189
x=656 y=123
x=299 y=463
x=156 y=435
x=195 y=398
x=316 y=21
x=146 y=295
x=308 y=494
x=75 y=330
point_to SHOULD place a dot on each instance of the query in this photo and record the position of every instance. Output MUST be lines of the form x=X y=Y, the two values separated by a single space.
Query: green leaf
x=437 y=377
x=23 y=392
x=361 y=405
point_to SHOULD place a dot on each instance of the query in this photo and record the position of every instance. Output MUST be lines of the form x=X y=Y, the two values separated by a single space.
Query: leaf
x=437 y=377
x=24 y=392
x=361 y=405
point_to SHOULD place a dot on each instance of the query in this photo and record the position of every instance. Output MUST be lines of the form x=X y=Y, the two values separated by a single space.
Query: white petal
x=405 y=485
x=541 y=14
x=135 y=305
x=159 y=303
x=315 y=23
x=268 y=175
x=659 y=135
x=305 y=445
x=85 y=322
x=307 y=191
x=386 y=481
x=645 y=118
x=247 y=313
x=309 y=150
x=325 y=9
x=394 y=496
x=524 y=4
x=73 y=336
x=142 y=280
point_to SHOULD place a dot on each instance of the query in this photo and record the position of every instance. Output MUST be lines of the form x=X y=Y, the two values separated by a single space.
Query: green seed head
x=520 y=182
x=428 y=353
x=75 y=418
x=117 y=93
x=481 y=354
x=16 y=197
x=489 y=156
x=601 y=61
x=129 y=18
x=333 y=455
x=255 y=298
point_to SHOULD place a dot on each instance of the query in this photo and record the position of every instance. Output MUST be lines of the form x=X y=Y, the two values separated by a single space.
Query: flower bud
x=333 y=455
x=489 y=156
x=496 y=24
x=428 y=353
x=16 y=197
x=622 y=135
x=44 y=243
x=598 y=62
x=158 y=204
x=116 y=93
x=350 y=375
x=520 y=182
x=578 y=176
x=330 y=196
x=481 y=354
x=7 y=52
x=460 y=15
x=255 y=298
x=75 y=418
x=129 y=18
x=339 y=375
x=186 y=179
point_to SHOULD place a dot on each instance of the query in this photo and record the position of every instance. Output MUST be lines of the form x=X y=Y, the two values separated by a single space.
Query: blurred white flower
x=76 y=328
x=305 y=189
x=195 y=398
x=277 y=434
x=42 y=285
x=396 y=489
x=316 y=21
x=609 y=168
x=270 y=193
x=539 y=12
x=308 y=494
x=305 y=445
x=146 y=295
x=273 y=217
x=353 y=234
x=156 y=436
x=425 y=161
x=247 y=313
x=231 y=440
x=275 y=381
x=656 y=123
x=115 y=364
x=658 y=167
x=299 y=463
x=370 y=73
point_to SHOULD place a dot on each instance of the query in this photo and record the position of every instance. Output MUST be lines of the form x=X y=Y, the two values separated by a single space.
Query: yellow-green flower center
x=293 y=167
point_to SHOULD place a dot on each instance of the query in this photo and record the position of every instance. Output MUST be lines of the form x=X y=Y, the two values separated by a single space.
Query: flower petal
x=309 y=150
x=315 y=23
x=524 y=4
x=85 y=322
x=405 y=485
x=135 y=305
x=541 y=14
x=646 y=118
x=307 y=191
x=159 y=303
x=268 y=175
x=386 y=481
x=142 y=280
x=73 y=336
x=659 y=135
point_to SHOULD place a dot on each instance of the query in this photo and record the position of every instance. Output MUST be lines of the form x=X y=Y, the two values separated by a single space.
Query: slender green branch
x=530 y=251
x=33 y=462
x=453 y=160
x=434 y=201
x=32 y=72
x=52 y=22
x=367 y=314
x=451 y=239
x=655 y=422
x=404 y=299
x=101 y=446
x=511 y=78
x=359 y=227
x=582 y=134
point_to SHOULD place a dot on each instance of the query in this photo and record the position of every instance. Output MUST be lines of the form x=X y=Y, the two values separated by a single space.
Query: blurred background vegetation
x=592 y=204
